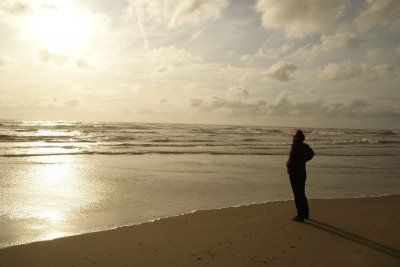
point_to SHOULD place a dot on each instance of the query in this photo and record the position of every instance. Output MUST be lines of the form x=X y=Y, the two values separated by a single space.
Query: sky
x=309 y=63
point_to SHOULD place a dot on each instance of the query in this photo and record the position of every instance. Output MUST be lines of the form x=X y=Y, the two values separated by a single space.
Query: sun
x=59 y=25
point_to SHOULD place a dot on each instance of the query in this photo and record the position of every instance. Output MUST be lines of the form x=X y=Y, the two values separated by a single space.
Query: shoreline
x=362 y=231
x=190 y=212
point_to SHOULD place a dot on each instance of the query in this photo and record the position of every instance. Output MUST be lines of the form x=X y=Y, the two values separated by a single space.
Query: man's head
x=298 y=136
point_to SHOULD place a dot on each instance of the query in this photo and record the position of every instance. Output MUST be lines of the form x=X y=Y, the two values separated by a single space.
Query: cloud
x=166 y=60
x=299 y=18
x=46 y=56
x=348 y=71
x=288 y=106
x=342 y=71
x=384 y=53
x=195 y=35
x=281 y=106
x=309 y=52
x=275 y=53
x=238 y=92
x=233 y=106
x=337 y=42
x=147 y=111
x=194 y=11
x=73 y=103
x=6 y=62
x=379 y=13
x=140 y=22
x=217 y=102
x=226 y=71
x=49 y=6
x=377 y=73
x=281 y=71
x=15 y=7
x=356 y=108
x=162 y=70
x=194 y=102
x=341 y=41
x=175 y=13
x=81 y=63
x=247 y=108
x=268 y=53
x=163 y=100
x=171 y=56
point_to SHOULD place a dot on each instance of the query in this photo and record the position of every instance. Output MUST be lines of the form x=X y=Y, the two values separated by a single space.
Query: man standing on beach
x=300 y=153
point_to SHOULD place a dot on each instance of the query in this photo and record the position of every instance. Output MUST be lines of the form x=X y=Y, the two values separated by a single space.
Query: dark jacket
x=300 y=153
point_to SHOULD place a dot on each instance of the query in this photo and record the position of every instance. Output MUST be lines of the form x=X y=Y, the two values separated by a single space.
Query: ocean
x=60 y=178
x=40 y=138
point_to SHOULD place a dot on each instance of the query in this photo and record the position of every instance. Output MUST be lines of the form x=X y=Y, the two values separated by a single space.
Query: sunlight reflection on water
x=50 y=193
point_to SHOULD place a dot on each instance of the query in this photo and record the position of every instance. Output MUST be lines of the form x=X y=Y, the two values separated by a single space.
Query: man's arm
x=290 y=162
x=309 y=153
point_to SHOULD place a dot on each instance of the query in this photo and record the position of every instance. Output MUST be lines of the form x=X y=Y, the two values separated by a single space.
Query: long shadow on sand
x=355 y=238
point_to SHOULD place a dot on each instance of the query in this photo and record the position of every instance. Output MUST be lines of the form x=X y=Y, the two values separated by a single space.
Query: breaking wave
x=38 y=138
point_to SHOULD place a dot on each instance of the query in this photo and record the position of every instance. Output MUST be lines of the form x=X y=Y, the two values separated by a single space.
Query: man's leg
x=296 y=188
x=303 y=203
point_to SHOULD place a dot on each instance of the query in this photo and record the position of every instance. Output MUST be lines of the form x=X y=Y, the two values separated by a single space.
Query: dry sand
x=349 y=232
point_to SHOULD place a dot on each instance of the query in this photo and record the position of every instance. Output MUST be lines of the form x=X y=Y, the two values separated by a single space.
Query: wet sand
x=347 y=232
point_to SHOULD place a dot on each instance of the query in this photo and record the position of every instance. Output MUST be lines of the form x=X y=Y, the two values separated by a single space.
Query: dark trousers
x=298 y=183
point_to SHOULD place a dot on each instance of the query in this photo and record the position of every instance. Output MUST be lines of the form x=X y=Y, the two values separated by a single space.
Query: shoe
x=297 y=218
x=306 y=217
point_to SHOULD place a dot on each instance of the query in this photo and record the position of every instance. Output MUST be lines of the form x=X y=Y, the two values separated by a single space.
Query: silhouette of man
x=300 y=153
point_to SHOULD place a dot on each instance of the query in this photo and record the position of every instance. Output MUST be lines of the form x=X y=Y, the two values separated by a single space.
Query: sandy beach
x=346 y=232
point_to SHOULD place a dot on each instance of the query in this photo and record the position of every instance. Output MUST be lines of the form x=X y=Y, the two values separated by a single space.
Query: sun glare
x=59 y=25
